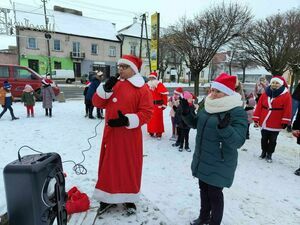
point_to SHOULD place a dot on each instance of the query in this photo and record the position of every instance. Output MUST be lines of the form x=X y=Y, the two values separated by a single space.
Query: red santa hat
x=225 y=83
x=178 y=91
x=47 y=81
x=279 y=79
x=134 y=62
x=153 y=74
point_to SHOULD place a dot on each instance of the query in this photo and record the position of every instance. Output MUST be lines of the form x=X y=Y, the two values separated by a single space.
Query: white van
x=67 y=75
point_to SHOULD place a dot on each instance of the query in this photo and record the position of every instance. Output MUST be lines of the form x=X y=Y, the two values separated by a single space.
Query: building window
x=56 y=45
x=76 y=48
x=112 y=51
x=94 y=49
x=57 y=65
x=31 y=43
x=133 y=50
x=202 y=74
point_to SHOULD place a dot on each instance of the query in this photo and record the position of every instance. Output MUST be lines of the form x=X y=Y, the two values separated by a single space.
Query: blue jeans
x=295 y=107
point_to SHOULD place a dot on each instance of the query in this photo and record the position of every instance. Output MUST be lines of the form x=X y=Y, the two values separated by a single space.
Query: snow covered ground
x=262 y=193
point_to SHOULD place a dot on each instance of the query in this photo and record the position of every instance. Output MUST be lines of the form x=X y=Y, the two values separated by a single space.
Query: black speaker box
x=35 y=190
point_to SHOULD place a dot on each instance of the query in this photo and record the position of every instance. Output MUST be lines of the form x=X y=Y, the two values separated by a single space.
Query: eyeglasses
x=122 y=66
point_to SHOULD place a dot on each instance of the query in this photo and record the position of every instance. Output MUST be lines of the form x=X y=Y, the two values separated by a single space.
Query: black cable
x=78 y=168
x=26 y=146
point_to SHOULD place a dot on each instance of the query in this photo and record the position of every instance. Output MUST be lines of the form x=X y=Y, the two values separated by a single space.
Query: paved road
x=75 y=90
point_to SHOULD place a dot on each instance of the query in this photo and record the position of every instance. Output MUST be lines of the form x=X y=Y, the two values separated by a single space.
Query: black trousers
x=268 y=140
x=212 y=203
x=184 y=138
x=178 y=135
x=10 y=110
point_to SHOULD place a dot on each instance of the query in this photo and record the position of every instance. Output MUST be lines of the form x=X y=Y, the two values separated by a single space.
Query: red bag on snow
x=77 y=201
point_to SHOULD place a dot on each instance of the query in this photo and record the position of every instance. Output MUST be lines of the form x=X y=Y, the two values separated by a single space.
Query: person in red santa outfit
x=155 y=126
x=272 y=113
x=128 y=105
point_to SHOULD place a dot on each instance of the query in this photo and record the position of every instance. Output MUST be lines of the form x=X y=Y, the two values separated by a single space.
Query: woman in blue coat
x=221 y=130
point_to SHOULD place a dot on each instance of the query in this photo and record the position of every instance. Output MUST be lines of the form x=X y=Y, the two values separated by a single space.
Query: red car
x=19 y=76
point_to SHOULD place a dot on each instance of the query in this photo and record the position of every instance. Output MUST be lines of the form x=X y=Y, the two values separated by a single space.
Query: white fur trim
x=277 y=80
x=103 y=196
x=134 y=120
x=179 y=93
x=128 y=62
x=152 y=76
x=137 y=80
x=222 y=87
x=222 y=104
x=100 y=91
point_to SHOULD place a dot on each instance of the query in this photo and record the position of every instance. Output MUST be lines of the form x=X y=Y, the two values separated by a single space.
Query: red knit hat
x=279 y=79
x=225 y=83
x=153 y=74
x=134 y=62
x=178 y=91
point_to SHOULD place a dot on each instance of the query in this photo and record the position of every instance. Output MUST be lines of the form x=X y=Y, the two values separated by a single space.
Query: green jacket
x=215 y=157
x=28 y=98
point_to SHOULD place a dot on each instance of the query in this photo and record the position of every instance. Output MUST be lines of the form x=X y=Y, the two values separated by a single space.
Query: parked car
x=19 y=76
x=66 y=75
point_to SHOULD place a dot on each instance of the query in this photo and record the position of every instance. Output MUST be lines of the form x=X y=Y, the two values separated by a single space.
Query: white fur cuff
x=100 y=91
x=134 y=121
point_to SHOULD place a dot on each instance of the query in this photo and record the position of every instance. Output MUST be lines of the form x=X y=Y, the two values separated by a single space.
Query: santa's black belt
x=158 y=102
x=272 y=108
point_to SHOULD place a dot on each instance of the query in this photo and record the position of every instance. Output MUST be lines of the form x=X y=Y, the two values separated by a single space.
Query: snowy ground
x=262 y=193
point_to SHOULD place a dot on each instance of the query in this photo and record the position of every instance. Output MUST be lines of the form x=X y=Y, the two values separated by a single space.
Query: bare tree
x=200 y=38
x=272 y=42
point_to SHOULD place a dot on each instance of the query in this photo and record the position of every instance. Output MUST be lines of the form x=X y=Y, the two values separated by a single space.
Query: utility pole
x=48 y=37
x=147 y=41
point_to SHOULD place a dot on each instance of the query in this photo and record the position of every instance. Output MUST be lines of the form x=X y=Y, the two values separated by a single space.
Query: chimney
x=134 y=20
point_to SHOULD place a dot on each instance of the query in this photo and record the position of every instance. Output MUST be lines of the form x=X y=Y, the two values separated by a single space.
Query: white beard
x=153 y=84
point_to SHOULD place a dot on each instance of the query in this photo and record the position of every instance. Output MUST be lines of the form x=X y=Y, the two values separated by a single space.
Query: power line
x=78 y=2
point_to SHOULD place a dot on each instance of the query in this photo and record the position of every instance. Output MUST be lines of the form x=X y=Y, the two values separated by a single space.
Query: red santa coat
x=271 y=113
x=121 y=158
x=160 y=101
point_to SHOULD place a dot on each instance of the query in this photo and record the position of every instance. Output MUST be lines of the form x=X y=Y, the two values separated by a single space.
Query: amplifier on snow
x=35 y=190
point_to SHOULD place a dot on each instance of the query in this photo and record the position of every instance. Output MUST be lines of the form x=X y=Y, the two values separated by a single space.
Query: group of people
x=221 y=123
x=222 y=128
x=28 y=98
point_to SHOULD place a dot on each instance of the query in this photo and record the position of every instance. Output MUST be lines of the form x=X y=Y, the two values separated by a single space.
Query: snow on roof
x=256 y=71
x=134 y=30
x=69 y=23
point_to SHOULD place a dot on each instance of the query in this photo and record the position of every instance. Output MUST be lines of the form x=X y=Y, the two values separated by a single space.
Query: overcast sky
x=122 y=12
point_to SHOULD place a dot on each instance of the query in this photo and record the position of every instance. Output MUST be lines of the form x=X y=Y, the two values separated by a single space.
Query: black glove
x=110 y=83
x=225 y=121
x=120 y=122
x=283 y=125
x=185 y=106
x=174 y=108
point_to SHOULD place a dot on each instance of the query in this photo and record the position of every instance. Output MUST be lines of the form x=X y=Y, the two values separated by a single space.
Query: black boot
x=199 y=221
x=50 y=112
x=269 y=157
x=263 y=155
x=297 y=172
x=130 y=208
x=46 y=112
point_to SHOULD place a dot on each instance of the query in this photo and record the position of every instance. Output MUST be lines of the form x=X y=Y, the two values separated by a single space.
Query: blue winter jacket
x=92 y=89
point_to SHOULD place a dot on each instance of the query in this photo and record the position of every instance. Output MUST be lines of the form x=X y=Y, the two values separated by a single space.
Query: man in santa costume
x=155 y=126
x=128 y=105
